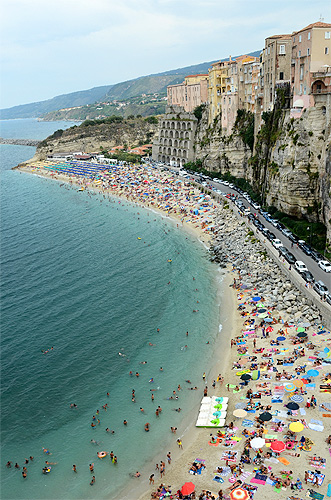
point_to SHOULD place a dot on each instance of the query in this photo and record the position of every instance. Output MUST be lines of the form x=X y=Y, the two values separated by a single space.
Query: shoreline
x=260 y=276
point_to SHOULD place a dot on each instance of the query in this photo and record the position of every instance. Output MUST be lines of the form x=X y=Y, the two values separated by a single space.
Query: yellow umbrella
x=296 y=427
x=298 y=383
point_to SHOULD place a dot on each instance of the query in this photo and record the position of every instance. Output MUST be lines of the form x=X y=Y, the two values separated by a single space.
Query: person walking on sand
x=180 y=445
x=204 y=376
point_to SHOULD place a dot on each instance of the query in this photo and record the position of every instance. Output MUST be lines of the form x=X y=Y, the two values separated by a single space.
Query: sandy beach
x=276 y=350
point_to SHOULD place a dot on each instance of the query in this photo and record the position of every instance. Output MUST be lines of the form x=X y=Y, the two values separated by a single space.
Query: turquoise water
x=75 y=277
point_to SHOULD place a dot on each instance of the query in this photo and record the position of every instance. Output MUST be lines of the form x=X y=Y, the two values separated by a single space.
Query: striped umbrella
x=298 y=383
x=289 y=387
x=297 y=398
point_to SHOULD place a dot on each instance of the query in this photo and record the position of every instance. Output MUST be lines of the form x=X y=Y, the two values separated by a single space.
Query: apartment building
x=310 y=65
x=189 y=94
x=275 y=69
x=219 y=83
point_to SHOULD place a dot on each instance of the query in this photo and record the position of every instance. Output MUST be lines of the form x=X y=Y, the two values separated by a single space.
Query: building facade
x=174 y=145
x=191 y=93
x=310 y=65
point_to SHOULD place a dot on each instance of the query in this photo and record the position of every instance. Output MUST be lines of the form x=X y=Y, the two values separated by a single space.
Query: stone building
x=311 y=66
x=174 y=145
x=189 y=94
x=275 y=68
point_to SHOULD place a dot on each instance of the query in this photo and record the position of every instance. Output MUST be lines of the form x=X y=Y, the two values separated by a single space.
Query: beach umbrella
x=261 y=310
x=297 y=398
x=269 y=329
x=240 y=405
x=298 y=383
x=255 y=374
x=268 y=320
x=245 y=376
x=256 y=299
x=280 y=339
x=300 y=329
x=188 y=488
x=296 y=427
x=292 y=406
x=265 y=416
x=289 y=387
x=239 y=494
x=302 y=334
x=312 y=373
x=263 y=315
x=240 y=413
x=257 y=443
x=277 y=446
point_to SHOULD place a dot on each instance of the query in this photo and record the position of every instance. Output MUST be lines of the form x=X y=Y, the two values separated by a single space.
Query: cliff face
x=220 y=152
x=292 y=170
x=93 y=138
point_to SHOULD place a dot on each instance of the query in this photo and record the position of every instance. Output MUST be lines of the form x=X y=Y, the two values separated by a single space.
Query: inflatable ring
x=102 y=454
x=289 y=445
x=48 y=470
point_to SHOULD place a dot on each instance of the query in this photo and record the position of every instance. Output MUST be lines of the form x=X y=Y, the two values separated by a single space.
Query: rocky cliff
x=291 y=164
x=93 y=137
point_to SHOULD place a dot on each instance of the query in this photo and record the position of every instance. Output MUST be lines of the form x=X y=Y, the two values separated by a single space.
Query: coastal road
x=317 y=272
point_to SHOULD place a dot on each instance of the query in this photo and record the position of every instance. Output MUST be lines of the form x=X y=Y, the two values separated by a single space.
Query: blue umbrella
x=261 y=310
x=256 y=299
x=312 y=373
x=281 y=338
x=268 y=320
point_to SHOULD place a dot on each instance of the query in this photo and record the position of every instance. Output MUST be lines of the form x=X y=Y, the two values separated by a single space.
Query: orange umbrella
x=298 y=383
x=239 y=494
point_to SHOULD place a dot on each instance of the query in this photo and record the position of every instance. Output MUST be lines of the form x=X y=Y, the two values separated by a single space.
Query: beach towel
x=318 y=422
x=329 y=490
x=244 y=475
x=218 y=479
x=251 y=489
x=283 y=460
x=270 y=481
x=230 y=456
x=247 y=423
x=277 y=490
x=315 y=494
x=314 y=427
x=302 y=411
x=259 y=479
x=312 y=476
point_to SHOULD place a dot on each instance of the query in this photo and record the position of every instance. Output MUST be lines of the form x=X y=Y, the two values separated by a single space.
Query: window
x=282 y=49
x=308 y=51
x=294 y=39
x=326 y=50
x=301 y=72
x=300 y=88
x=327 y=35
x=269 y=48
x=299 y=53
x=309 y=35
x=281 y=75
x=299 y=38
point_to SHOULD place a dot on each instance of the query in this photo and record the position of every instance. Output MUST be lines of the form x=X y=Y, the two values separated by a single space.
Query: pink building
x=189 y=94
x=311 y=65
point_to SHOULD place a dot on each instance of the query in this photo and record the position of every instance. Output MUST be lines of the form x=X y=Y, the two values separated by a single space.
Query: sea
x=94 y=288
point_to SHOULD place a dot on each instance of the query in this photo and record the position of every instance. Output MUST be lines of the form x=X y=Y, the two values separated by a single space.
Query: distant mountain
x=156 y=83
x=35 y=109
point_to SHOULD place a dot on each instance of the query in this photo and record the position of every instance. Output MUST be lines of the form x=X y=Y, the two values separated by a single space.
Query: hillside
x=156 y=83
x=36 y=109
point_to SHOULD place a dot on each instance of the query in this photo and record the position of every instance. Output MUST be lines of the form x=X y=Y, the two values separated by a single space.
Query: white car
x=300 y=266
x=277 y=243
x=325 y=265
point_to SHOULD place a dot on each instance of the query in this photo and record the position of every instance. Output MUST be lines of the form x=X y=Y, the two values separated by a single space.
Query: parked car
x=305 y=247
x=325 y=265
x=274 y=222
x=271 y=236
x=293 y=238
x=316 y=256
x=277 y=243
x=320 y=288
x=280 y=226
x=282 y=251
x=286 y=232
x=256 y=205
x=300 y=266
x=290 y=258
x=328 y=298
x=308 y=277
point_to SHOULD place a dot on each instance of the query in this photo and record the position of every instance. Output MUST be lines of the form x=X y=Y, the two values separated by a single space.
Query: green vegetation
x=198 y=111
x=152 y=119
x=123 y=156
x=110 y=119
x=244 y=125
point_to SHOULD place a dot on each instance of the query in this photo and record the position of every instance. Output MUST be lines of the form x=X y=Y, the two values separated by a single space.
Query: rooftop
x=319 y=24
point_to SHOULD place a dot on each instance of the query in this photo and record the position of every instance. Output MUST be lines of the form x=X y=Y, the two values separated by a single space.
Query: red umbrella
x=239 y=494
x=278 y=446
x=188 y=488
x=269 y=329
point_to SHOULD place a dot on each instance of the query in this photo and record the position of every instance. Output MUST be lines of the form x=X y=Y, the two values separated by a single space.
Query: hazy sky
x=56 y=47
